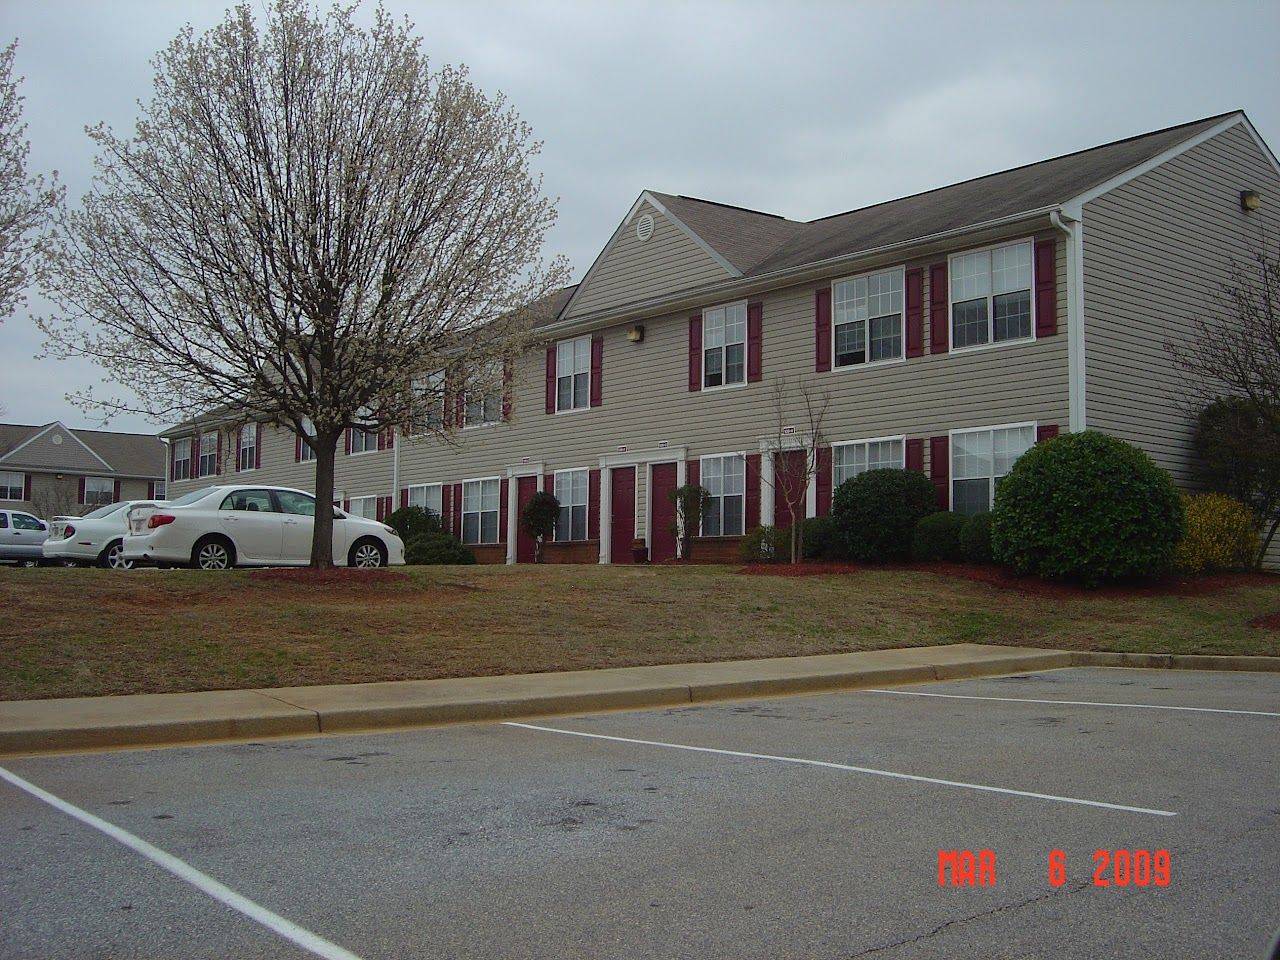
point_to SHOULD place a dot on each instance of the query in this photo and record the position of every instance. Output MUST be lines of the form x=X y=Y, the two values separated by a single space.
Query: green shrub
x=538 y=520
x=975 y=539
x=766 y=545
x=820 y=540
x=874 y=514
x=1086 y=507
x=412 y=522
x=937 y=537
x=435 y=548
x=1219 y=534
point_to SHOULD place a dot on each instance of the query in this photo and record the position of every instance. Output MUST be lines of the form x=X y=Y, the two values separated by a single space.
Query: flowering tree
x=307 y=220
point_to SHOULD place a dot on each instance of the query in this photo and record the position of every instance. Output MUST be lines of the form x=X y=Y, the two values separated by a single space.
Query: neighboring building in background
x=951 y=330
x=52 y=470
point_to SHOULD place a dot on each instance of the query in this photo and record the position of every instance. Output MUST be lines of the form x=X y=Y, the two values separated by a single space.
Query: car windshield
x=192 y=497
x=102 y=512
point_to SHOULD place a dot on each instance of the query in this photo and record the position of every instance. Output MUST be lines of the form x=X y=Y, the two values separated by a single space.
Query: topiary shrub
x=437 y=547
x=1086 y=507
x=538 y=520
x=874 y=514
x=766 y=545
x=1219 y=534
x=975 y=539
x=412 y=522
x=937 y=537
x=820 y=541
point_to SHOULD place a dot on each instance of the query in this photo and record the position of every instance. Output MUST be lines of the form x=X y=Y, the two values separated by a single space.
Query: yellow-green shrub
x=1219 y=534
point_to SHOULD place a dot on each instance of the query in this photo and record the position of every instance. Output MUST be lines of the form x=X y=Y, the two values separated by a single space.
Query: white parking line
x=184 y=871
x=844 y=766
x=1076 y=703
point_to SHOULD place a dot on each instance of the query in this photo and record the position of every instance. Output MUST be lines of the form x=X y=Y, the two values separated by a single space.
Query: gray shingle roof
x=743 y=237
x=127 y=454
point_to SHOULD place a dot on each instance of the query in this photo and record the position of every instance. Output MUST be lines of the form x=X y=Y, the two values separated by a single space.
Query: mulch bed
x=1005 y=580
x=1268 y=621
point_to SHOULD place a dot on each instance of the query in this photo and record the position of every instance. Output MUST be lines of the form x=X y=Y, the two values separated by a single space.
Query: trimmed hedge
x=975 y=539
x=937 y=537
x=1219 y=535
x=820 y=540
x=437 y=547
x=874 y=514
x=1086 y=507
x=766 y=545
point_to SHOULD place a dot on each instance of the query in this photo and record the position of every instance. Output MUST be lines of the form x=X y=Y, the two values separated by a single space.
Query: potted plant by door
x=639 y=551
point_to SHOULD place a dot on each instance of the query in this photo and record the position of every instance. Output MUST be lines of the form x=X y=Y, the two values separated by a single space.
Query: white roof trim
x=1074 y=205
x=684 y=227
x=51 y=426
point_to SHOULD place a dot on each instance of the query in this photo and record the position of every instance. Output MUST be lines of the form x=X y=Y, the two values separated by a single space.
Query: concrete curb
x=1175 y=661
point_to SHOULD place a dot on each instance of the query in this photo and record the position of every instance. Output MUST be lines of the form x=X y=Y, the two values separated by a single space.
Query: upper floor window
x=99 y=491
x=480 y=510
x=208 y=454
x=305 y=453
x=12 y=486
x=573 y=374
x=428 y=404
x=991 y=296
x=428 y=496
x=247 y=451
x=868 y=320
x=980 y=459
x=362 y=441
x=724 y=345
x=182 y=459
x=571 y=491
x=850 y=459
x=725 y=478
x=483 y=399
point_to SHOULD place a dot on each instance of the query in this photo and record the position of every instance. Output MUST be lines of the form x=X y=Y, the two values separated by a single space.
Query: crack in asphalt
x=1017 y=905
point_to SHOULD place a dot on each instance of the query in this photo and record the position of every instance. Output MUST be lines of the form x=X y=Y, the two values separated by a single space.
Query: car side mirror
x=337 y=515
x=43 y=525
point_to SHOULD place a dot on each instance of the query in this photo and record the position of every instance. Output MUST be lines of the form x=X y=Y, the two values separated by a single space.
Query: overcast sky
x=802 y=109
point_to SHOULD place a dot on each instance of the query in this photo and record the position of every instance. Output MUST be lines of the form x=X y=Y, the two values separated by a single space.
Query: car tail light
x=68 y=531
x=159 y=520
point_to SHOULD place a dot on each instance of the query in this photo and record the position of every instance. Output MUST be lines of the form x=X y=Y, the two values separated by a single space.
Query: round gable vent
x=644 y=228
x=56 y=438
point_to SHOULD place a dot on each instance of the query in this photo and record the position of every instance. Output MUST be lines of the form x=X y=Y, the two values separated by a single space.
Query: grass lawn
x=90 y=632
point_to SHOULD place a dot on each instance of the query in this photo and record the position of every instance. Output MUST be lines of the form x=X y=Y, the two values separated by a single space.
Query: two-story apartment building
x=950 y=330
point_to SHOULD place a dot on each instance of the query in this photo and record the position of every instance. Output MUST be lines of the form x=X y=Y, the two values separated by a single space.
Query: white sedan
x=226 y=526
x=97 y=537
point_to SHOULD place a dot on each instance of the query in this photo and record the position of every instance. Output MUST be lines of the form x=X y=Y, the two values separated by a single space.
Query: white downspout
x=396 y=439
x=1072 y=224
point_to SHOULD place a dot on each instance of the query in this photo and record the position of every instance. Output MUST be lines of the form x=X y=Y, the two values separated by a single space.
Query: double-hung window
x=850 y=459
x=980 y=459
x=308 y=430
x=571 y=491
x=208 y=454
x=182 y=459
x=247 y=452
x=480 y=511
x=428 y=497
x=428 y=404
x=724 y=345
x=12 y=486
x=363 y=441
x=725 y=478
x=573 y=374
x=100 y=491
x=366 y=507
x=991 y=296
x=483 y=401
x=868 y=321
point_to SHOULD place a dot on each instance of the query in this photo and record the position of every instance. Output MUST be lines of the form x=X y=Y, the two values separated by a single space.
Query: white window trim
x=173 y=468
x=252 y=447
x=746 y=348
x=211 y=451
x=22 y=486
x=902 y=314
x=853 y=443
x=741 y=455
x=462 y=512
x=951 y=453
x=307 y=455
x=587 y=406
x=361 y=453
x=352 y=510
x=111 y=491
x=554 y=475
x=990 y=344
x=426 y=486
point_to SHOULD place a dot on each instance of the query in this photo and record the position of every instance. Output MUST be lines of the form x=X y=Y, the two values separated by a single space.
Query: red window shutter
x=940 y=469
x=194 y=470
x=404 y=496
x=504 y=490
x=593 y=504
x=915 y=313
x=822 y=330
x=81 y=494
x=752 y=505
x=217 y=460
x=460 y=409
x=938 y=335
x=825 y=481
x=507 y=377
x=382 y=439
x=297 y=448
x=692 y=472
x=239 y=443
x=551 y=379
x=391 y=438
x=377 y=510
x=257 y=447
x=457 y=510
x=915 y=454
x=346 y=505
x=115 y=492
x=26 y=487
x=549 y=484
x=347 y=440
x=755 y=335
x=446 y=506
x=1046 y=431
x=597 y=368
x=151 y=489
x=695 y=353
x=172 y=470
x=1046 y=287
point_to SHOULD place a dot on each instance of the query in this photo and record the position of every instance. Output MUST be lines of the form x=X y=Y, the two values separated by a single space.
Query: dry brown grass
x=91 y=632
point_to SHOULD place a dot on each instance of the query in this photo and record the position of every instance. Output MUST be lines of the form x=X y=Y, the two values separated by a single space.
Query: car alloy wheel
x=116 y=559
x=368 y=555
x=213 y=556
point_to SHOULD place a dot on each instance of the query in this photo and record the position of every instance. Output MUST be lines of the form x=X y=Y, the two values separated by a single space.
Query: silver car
x=22 y=537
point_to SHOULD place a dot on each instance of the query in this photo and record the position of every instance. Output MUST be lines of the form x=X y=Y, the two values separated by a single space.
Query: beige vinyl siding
x=51 y=496
x=629 y=270
x=1157 y=251
x=68 y=454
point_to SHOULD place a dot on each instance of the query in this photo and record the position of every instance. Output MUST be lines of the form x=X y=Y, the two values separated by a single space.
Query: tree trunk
x=326 y=448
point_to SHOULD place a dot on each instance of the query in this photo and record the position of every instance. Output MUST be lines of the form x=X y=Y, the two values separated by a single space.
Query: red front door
x=526 y=487
x=789 y=491
x=662 y=513
x=622 y=513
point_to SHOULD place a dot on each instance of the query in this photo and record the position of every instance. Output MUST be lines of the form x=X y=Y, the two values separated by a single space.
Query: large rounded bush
x=937 y=537
x=875 y=513
x=1219 y=535
x=820 y=540
x=435 y=548
x=413 y=521
x=975 y=539
x=1086 y=507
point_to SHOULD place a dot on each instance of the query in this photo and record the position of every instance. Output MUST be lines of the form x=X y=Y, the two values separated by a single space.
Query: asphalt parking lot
x=794 y=827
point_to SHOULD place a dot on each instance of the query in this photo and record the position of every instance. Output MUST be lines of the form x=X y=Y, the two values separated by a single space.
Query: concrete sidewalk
x=87 y=723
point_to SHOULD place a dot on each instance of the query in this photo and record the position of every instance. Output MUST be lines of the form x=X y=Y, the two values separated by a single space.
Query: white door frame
x=637 y=459
x=513 y=519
